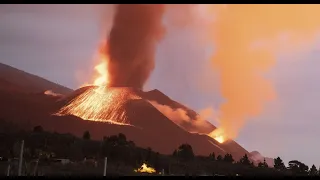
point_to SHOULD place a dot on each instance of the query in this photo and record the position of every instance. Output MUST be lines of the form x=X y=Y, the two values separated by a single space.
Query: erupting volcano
x=116 y=96
x=245 y=47
x=114 y=102
x=126 y=61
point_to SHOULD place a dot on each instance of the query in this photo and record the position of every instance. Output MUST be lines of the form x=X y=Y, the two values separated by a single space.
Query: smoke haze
x=51 y=93
x=132 y=43
x=247 y=40
x=180 y=116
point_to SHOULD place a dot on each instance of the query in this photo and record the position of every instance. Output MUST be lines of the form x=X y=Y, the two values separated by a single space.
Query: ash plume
x=247 y=40
x=136 y=30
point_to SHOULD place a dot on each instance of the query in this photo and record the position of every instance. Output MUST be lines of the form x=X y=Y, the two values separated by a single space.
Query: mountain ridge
x=158 y=132
x=29 y=82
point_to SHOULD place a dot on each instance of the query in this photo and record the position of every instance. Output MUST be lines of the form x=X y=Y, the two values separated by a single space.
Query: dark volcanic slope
x=156 y=95
x=155 y=131
x=151 y=128
x=28 y=82
x=159 y=132
x=160 y=98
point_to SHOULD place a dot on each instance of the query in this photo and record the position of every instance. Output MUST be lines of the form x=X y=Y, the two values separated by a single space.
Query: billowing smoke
x=136 y=30
x=180 y=117
x=51 y=93
x=247 y=39
x=257 y=157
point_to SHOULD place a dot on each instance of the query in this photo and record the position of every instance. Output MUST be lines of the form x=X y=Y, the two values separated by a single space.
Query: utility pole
x=9 y=167
x=105 y=166
x=21 y=158
x=36 y=168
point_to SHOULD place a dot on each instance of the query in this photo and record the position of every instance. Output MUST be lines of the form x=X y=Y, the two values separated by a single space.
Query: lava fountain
x=99 y=102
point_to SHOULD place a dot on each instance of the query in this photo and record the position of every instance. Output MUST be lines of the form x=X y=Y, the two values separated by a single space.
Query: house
x=90 y=162
x=62 y=161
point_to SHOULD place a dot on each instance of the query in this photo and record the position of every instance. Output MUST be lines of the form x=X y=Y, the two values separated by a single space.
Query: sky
x=58 y=42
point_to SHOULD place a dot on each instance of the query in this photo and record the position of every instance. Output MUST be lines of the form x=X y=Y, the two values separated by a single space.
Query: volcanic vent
x=100 y=103
x=127 y=59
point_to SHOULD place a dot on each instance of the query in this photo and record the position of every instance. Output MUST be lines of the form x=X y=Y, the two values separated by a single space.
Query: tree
x=228 y=158
x=112 y=140
x=245 y=160
x=260 y=165
x=149 y=154
x=175 y=153
x=131 y=144
x=263 y=164
x=298 y=167
x=278 y=164
x=122 y=139
x=252 y=164
x=185 y=152
x=313 y=171
x=86 y=135
x=212 y=156
x=219 y=158
x=117 y=140
x=38 y=129
x=156 y=160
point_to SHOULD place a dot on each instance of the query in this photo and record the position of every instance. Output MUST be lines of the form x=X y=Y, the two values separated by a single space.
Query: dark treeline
x=124 y=156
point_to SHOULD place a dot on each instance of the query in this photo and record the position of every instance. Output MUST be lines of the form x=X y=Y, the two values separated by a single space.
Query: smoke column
x=136 y=30
x=247 y=39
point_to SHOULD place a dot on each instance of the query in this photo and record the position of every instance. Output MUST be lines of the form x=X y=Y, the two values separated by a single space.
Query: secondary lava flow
x=145 y=169
x=218 y=135
x=220 y=139
x=98 y=102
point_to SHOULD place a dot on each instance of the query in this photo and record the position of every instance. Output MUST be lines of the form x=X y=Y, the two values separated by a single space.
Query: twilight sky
x=58 y=42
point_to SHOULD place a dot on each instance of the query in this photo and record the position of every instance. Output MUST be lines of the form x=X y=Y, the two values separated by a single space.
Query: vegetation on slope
x=124 y=156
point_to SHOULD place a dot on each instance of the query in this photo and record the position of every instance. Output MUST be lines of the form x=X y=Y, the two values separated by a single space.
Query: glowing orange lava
x=100 y=102
x=220 y=139
x=145 y=169
x=102 y=68
x=218 y=135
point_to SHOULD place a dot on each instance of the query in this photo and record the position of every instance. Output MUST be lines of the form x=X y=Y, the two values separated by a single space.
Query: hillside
x=150 y=127
x=19 y=80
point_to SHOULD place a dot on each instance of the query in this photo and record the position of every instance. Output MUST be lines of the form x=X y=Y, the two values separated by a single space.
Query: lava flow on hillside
x=101 y=103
